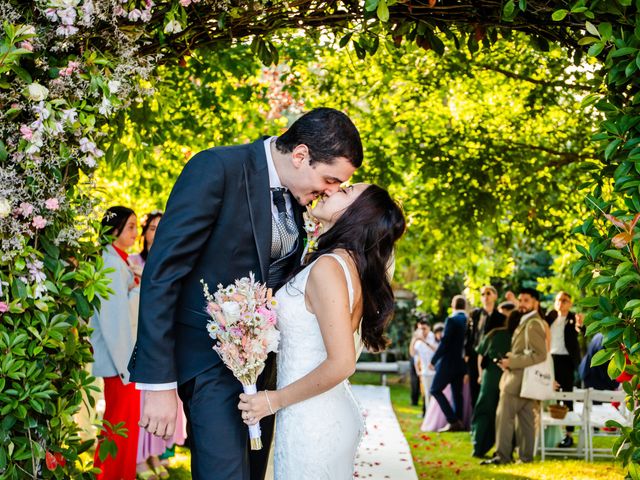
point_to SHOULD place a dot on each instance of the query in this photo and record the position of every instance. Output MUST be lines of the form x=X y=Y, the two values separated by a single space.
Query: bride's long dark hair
x=368 y=230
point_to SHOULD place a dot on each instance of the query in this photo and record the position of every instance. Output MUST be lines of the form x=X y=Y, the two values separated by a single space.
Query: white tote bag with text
x=537 y=380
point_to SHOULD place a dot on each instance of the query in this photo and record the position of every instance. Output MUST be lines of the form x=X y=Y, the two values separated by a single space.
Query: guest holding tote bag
x=528 y=347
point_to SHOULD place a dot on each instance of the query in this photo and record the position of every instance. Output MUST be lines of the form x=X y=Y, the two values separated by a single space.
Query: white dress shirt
x=558 y=347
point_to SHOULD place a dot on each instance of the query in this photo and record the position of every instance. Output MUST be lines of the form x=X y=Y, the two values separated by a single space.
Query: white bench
x=384 y=368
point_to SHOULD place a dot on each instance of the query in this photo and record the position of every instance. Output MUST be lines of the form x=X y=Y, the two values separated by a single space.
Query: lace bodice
x=316 y=438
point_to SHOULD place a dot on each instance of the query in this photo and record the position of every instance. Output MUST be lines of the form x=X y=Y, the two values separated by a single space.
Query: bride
x=341 y=293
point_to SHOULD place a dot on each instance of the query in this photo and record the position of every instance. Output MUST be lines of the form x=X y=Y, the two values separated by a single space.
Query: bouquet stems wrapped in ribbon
x=243 y=325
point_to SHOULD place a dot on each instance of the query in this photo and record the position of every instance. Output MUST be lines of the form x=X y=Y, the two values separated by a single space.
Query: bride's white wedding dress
x=318 y=438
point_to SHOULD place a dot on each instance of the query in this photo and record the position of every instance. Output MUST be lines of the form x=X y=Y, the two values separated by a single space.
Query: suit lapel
x=257 y=185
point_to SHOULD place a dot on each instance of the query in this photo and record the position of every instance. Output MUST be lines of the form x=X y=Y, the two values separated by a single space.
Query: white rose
x=5 y=208
x=231 y=311
x=272 y=337
x=36 y=92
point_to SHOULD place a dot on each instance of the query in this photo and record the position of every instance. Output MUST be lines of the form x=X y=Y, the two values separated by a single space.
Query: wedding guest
x=413 y=370
x=425 y=347
x=481 y=321
x=505 y=308
x=434 y=418
x=565 y=351
x=112 y=340
x=493 y=347
x=595 y=377
x=511 y=405
x=151 y=447
x=449 y=366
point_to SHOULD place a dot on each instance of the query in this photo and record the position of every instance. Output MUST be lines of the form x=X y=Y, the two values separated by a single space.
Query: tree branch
x=510 y=74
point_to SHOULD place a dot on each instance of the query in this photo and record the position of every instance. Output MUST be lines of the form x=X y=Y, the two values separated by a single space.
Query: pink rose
x=185 y=3
x=39 y=222
x=27 y=46
x=4 y=307
x=26 y=209
x=52 y=203
x=26 y=132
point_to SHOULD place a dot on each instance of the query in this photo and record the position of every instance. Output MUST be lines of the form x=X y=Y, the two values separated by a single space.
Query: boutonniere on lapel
x=314 y=229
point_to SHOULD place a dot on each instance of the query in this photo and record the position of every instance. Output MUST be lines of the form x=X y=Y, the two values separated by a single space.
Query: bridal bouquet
x=243 y=325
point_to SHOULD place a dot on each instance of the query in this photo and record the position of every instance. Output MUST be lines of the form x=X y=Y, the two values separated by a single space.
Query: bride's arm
x=328 y=298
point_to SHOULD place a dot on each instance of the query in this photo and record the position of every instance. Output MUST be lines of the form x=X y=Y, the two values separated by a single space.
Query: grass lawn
x=448 y=455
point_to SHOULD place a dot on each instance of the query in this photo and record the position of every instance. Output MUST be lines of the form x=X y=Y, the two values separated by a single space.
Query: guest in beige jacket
x=511 y=404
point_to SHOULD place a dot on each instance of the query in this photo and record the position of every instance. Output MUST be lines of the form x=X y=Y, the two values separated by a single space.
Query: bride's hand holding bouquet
x=243 y=324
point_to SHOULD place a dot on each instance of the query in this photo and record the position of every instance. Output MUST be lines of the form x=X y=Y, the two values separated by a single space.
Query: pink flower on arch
x=4 y=307
x=26 y=132
x=52 y=203
x=39 y=222
x=26 y=209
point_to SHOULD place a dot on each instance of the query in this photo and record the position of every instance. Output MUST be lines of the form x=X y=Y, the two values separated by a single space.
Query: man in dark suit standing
x=481 y=321
x=232 y=211
x=449 y=365
x=565 y=350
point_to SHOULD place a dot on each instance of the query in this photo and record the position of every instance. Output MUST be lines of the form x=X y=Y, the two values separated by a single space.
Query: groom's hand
x=159 y=412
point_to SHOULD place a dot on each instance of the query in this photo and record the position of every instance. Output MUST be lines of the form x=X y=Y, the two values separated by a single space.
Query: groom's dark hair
x=327 y=133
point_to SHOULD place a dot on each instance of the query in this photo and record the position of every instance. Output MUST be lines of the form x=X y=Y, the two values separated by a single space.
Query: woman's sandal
x=147 y=475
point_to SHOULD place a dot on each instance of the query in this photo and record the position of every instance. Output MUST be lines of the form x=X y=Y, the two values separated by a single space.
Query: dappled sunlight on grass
x=448 y=455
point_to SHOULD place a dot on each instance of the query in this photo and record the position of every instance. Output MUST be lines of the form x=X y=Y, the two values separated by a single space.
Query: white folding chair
x=576 y=418
x=599 y=414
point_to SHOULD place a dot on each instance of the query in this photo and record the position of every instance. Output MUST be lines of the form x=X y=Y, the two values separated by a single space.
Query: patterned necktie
x=284 y=229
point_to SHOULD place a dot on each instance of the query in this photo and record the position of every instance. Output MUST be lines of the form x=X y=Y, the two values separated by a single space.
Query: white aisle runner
x=384 y=452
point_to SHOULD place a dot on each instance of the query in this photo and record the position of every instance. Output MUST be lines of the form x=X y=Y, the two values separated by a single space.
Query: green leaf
x=589 y=302
x=611 y=148
x=596 y=49
x=371 y=5
x=617 y=254
x=559 y=15
x=592 y=29
x=631 y=304
x=508 y=10
x=601 y=357
x=588 y=41
x=605 y=30
x=621 y=52
x=619 y=360
x=383 y=11
x=626 y=280
x=345 y=40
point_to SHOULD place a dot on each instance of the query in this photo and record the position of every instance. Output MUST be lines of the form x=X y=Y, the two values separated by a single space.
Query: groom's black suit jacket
x=217 y=227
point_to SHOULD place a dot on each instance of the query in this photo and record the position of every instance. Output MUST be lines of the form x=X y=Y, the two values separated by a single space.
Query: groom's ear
x=299 y=154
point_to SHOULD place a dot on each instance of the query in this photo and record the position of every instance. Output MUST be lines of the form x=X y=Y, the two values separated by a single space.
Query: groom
x=227 y=216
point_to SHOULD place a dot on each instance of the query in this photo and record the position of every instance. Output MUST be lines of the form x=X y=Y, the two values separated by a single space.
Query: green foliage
x=485 y=164
x=608 y=267
x=45 y=348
